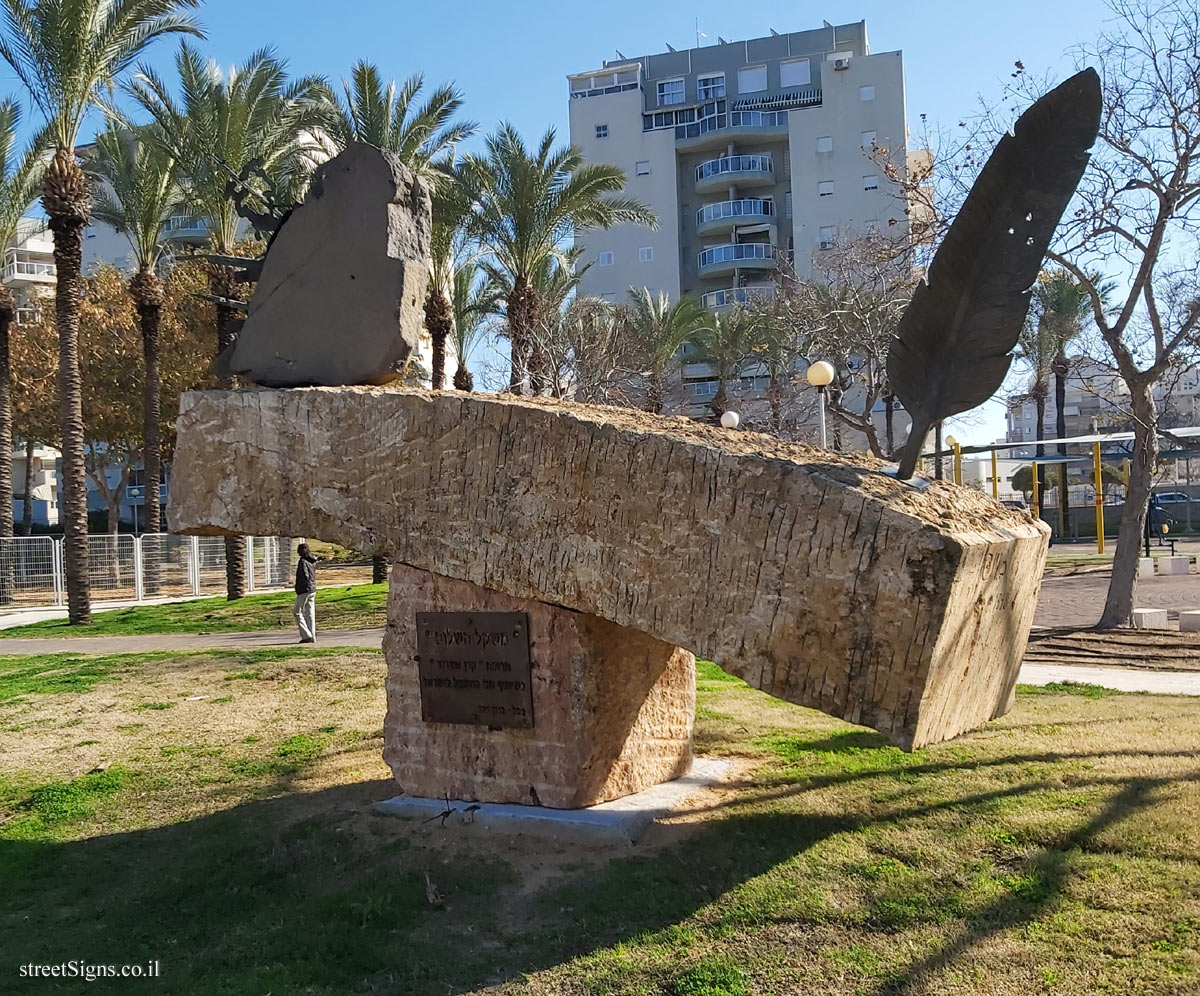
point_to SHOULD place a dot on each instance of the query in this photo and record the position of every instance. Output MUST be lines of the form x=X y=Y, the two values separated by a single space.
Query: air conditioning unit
x=826 y=245
x=841 y=64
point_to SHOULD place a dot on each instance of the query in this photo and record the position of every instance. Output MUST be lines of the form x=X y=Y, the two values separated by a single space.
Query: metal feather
x=954 y=344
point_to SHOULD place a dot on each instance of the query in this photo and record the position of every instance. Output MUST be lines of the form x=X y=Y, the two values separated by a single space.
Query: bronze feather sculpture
x=954 y=344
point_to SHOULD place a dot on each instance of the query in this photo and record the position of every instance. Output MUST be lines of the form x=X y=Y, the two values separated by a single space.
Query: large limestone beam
x=824 y=583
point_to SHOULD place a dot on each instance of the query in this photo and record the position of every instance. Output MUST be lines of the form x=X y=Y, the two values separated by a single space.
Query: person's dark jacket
x=306 y=576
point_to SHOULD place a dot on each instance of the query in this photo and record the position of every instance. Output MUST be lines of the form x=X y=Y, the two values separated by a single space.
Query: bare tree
x=847 y=313
x=1137 y=205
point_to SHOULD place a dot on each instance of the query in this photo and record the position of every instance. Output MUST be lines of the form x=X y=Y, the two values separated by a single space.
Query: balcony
x=20 y=268
x=724 y=215
x=713 y=130
x=745 y=171
x=28 y=316
x=737 y=295
x=726 y=259
x=183 y=227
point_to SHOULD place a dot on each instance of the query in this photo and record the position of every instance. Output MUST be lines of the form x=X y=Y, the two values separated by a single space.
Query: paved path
x=1125 y=679
x=185 y=641
x=1076 y=602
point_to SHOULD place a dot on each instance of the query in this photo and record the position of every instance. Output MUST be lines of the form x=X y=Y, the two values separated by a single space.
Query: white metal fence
x=137 y=568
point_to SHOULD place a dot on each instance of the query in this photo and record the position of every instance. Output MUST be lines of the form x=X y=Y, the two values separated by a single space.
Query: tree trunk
x=464 y=380
x=719 y=399
x=1061 y=368
x=6 y=447
x=223 y=284
x=1118 y=606
x=439 y=320
x=889 y=426
x=775 y=404
x=27 y=504
x=148 y=294
x=655 y=393
x=114 y=516
x=520 y=333
x=1040 y=403
x=67 y=204
x=379 y=570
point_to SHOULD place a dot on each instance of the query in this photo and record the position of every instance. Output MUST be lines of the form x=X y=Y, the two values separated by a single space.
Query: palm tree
x=529 y=205
x=1037 y=347
x=226 y=122
x=69 y=55
x=424 y=137
x=474 y=298
x=661 y=329
x=142 y=175
x=453 y=203
x=20 y=178
x=724 y=345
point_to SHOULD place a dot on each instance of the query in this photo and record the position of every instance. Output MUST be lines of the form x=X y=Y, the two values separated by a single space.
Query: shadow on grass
x=304 y=894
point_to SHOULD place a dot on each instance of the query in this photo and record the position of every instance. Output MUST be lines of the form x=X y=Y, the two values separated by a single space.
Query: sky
x=511 y=59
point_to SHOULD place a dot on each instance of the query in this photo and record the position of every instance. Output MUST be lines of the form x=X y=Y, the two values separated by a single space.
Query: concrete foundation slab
x=623 y=820
x=1175 y=565
x=1150 y=619
x=1189 y=621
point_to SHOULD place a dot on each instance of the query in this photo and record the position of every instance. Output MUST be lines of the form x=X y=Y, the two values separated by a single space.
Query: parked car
x=1014 y=503
x=1172 y=498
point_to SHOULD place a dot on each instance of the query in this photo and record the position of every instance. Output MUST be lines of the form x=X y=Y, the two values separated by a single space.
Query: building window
x=605 y=259
x=642 y=168
x=867 y=139
x=645 y=254
x=670 y=92
x=710 y=87
x=704 y=388
x=828 y=236
x=794 y=72
x=602 y=131
x=825 y=143
x=825 y=188
x=787 y=204
x=752 y=79
x=866 y=93
x=870 y=182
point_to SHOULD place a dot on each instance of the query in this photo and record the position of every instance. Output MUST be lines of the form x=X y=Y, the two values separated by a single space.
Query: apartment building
x=749 y=153
x=29 y=272
x=1096 y=401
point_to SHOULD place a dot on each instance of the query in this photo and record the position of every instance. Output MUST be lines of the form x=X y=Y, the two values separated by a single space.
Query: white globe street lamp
x=730 y=420
x=820 y=375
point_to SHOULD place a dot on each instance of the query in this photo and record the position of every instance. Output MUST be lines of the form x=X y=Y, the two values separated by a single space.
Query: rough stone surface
x=612 y=707
x=812 y=575
x=342 y=293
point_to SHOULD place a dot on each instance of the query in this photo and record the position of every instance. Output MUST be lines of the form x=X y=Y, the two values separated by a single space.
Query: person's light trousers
x=305 y=611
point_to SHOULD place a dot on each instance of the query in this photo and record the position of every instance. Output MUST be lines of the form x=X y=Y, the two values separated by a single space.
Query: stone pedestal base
x=612 y=707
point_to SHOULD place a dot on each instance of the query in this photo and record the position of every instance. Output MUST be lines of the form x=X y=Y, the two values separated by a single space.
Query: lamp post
x=820 y=375
x=957 y=447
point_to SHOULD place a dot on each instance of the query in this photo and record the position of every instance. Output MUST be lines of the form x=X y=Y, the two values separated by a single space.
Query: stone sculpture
x=816 y=578
x=341 y=293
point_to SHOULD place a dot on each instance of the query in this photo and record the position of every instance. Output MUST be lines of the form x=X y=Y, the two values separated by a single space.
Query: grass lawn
x=210 y=812
x=359 y=606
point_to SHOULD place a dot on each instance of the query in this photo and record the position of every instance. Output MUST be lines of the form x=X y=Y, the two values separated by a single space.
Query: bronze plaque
x=474 y=668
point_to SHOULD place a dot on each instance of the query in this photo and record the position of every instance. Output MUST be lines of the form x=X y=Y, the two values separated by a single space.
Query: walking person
x=305 y=606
